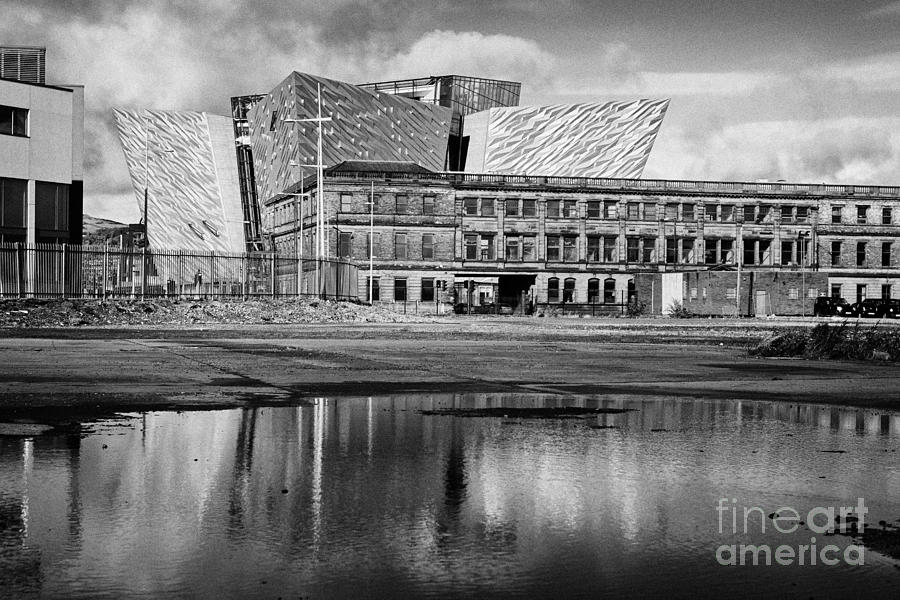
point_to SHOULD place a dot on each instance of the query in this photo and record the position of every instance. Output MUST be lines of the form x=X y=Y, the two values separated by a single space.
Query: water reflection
x=366 y=493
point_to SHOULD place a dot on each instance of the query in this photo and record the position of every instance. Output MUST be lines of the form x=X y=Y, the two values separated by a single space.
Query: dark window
x=400 y=246
x=860 y=254
x=609 y=249
x=553 y=248
x=609 y=209
x=273 y=121
x=649 y=211
x=487 y=247
x=649 y=255
x=687 y=251
x=373 y=202
x=787 y=253
x=886 y=215
x=727 y=212
x=593 y=290
x=886 y=254
x=51 y=206
x=470 y=206
x=711 y=253
x=803 y=214
x=427 y=289
x=835 y=254
x=885 y=291
x=528 y=248
x=609 y=290
x=569 y=208
x=594 y=209
x=344 y=243
x=512 y=248
x=861 y=289
x=427 y=246
x=749 y=252
x=593 y=249
x=569 y=289
x=787 y=214
x=671 y=212
x=471 y=241
x=570 y=249
x=836 y=214
x=862 y=212
x=710 y=210
x=750 y=213
x=553 y=289
x=529 y=208
x=13 y=121
x=671 y=250
x=346 y=202
x=376 y=292
x=632 y=211
x=687 y=212
x=428 y=205
x=487 y=207
x=552 y=208
x=835 y=290
x=12 y=196
x=632 y=249
x=402 y=204
x=400 y=289
x=512 y=207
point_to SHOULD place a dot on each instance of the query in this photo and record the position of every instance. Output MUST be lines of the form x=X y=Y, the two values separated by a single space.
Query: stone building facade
x=440 y=238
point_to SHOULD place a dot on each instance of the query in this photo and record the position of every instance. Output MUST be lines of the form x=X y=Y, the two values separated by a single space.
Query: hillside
x=98 y=230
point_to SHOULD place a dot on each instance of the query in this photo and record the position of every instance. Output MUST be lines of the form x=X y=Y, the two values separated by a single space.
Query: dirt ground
x=48 y=373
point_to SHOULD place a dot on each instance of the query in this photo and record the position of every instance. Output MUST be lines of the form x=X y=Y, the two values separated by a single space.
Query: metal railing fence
x=65 y=271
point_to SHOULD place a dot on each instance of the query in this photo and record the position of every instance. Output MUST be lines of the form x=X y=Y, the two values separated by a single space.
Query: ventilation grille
x=23 y=63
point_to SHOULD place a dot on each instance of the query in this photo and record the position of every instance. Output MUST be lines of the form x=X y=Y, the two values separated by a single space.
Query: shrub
x=635 y=309
x=677 y=311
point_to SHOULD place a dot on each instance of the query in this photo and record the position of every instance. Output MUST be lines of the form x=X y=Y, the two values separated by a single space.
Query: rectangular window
x=887 y=216
x=687 y=251
x=51 y=206
x=529 y=208
x=727 y=212
x=649 y=250
x=726 y=255
x=593 y=290
x=632 y=211
x=12 y=197
x=552 y=208
x=14 y=121
x=731 y=293
x=487 y=247
x=373 y=202
x=750 y=213
x=593 y=249
x=711 y=212
x=553 y=248
x=793 y=294
x=860 y=254
x=402 y=204
x=687 y=212
x=470 y=206
x=787 y=253
x=594 y=209
x=569 y=208
x=346 y=202
x=528 y=248
x=671 y=251
x=861 y=289
x=835 y=254
x=711 y=252
x=671 y=212
x=487 y=207
x=803 y=214
x=765 y=214
x=400 y=289
x=862 y=212
x=553 y=290
x=787 y=214
x=427 y=246
x=609 y=249
x=345 y=241
x=609 y=210
x=649 y=211
x=511 y=208
x=427 y=289
x=836 y=215
x=749 y=252
x=372 y=240
x=885 y=291
x=400 y=246
x=376 y=291
x=632 y=249
x=835 y=290
x=570 y=249
x=886 y=254
x=513 y=252
x=428 y=205
x=471 y=241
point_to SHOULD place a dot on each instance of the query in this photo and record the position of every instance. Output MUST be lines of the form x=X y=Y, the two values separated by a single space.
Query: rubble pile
x=74 y=313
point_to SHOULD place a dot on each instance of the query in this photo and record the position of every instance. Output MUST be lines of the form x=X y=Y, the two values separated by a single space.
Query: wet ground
x=371 y=497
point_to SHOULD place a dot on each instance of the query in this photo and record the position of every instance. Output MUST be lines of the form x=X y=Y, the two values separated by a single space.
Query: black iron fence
x=64 y=271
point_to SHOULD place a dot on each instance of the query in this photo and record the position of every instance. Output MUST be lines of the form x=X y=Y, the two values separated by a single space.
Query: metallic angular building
x=184 y=164
x=364 y=125
x=613 y=139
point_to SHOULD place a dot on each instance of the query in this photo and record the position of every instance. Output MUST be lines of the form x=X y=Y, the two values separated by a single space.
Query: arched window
x=569 y=289
x=609 y=290
x=593 y=290
x=553 y=289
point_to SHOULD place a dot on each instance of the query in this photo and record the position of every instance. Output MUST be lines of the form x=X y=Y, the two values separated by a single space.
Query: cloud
x=888 y=10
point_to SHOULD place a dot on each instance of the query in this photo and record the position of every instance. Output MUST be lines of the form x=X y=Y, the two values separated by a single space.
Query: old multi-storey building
x=444 y=237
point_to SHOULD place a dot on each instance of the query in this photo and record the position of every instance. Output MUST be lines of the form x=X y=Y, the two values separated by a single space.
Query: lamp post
x=801 y=243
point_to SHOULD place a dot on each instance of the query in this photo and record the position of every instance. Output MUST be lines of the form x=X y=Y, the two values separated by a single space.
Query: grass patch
x=833 y=342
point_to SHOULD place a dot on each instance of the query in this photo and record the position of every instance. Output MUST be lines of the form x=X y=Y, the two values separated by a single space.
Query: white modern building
x=41 y=152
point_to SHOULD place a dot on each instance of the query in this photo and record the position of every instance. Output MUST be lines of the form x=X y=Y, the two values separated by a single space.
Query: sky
x=800 y=90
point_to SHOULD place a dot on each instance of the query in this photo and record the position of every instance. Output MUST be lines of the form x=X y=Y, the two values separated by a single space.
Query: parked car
x=877 y=308
x=827 y=306
x=490 y=308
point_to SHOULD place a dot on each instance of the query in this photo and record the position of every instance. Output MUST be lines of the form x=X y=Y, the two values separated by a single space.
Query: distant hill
x=97 y=231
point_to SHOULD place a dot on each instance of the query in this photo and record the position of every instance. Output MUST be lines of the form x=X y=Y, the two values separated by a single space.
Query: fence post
x=65 y=255
x=272 y=278
x=20 y=262
x=143 y=270
x=244 y=276
x=105 y=268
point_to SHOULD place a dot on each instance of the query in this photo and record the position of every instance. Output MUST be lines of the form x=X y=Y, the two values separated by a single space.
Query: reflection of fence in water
x=49 y=270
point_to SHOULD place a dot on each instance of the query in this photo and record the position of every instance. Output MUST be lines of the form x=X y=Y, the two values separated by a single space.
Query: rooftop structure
x=24 y=63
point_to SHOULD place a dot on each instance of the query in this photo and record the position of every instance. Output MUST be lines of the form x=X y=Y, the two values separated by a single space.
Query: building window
x=471 y=241
x=346 y=202
x=836 y=214
x=632 y=249
x=400 y=246
x=428 y=205
x=812 y=292
x=860 y=254
x=749 y=213
x=787 y=253
x=886 y=254
x=570 y=249
x=885 y=291
x=731 y=293
x=427 y=246
x=553 y=248
x=711 y=212
x=861 y=289
x=793 y=294
x=835 y=290
x=671 y=253
x=513 y=251
x=529 y=208
x=553 y=289
x=835 y=254
x=373 y=202
x=727 y=212
x=14 y=121
x=402 y=204
x=649 y=250
x=511 y=207
x=371 y=243
x=569 y=289
x=528 y=248
x=400 y=289
x=862 y=214
x=569 y=208
x=51 y=208
x=593 y=290
x=609 y=209
x=803 y=214
x=487 y=207
x=687 y=212
x=487 y=247
x=427 y=289
x=757 y=252
x=593 y=248
x=552 y=208
x=594 y=209
x=687 y=251
x=609 y=290
x=632 y=211
x=345 y=241
x=373 y=283
x=12 y=199
x=671 y=211
x=470 y=206
x=887 y=215
x=608 y=249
